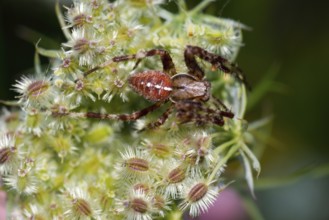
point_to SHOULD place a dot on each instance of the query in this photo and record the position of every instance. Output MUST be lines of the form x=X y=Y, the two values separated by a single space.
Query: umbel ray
x=187 y=93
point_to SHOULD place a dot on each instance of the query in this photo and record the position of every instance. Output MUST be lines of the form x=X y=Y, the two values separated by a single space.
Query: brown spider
x=187 y=92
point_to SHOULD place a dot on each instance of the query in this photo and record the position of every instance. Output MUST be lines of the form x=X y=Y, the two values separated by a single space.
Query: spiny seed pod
x=199 y=196
x=80 y=14
x=176 y=175
x=84 y=46
x=142 y=186
x=81 y=207
x=36 y=88
x=6 y=154
x=24 y=182
x=197 y=192
x=133 y=164
x=33 y=91
x=78 y=203
x=139 y=205
x=161 y=150
x=106 y=200
x=81 y=45
x=137 y=164
x=159 y=202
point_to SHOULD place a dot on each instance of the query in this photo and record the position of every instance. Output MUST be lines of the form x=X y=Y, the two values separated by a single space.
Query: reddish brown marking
x=153 y=85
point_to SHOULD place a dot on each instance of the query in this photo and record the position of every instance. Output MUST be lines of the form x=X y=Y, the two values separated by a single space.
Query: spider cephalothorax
x=186 y=92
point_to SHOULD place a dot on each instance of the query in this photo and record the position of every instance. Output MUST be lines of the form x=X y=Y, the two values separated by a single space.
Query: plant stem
x=223 y=161
x=200 y=7
x=225 y=145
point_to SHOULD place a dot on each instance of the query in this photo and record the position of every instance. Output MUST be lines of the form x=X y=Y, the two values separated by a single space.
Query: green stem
x=175 y=215
x=61 y=20
x=260 y=123
x=200 y=7
x=181 y=6
x=251 y=155
x=37 y=63
x=223 y=161
x=9 y=103
x=243 y=102
x=225 y=145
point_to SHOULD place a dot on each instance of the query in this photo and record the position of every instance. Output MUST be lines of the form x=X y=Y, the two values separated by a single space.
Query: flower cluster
x=56 y=164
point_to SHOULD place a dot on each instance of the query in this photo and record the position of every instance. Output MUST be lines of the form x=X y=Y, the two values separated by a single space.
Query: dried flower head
x=80 y=14
x=160 y=150
x=160 y=204
x=34 y=91
x=35 y=212
x=24 y=181
x=198 y=196
x=78 y=203
x=174 y=176
x=138 y=206
x=8 y=154
x=85 y=46
x=134 y=163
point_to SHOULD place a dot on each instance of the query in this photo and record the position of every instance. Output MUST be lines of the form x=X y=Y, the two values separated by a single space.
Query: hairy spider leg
x=218 y=103
x=123 y=117
x=215 y=60
x=195 y=111
x=167 y=62
x=193 y=67
x=161 y=120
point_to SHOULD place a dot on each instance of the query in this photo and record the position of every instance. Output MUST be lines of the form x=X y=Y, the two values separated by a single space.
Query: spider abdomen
x=153 y=85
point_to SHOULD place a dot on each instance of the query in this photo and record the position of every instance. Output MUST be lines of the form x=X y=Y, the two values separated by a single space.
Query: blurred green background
x=292 y=35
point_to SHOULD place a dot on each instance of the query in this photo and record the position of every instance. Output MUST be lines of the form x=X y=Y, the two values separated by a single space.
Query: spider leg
x=123 y=117
x=191 y=63
x=194 y=111
x=218 y=103
x=167 y=62
x=163 y=118
x=217 y=61
x=186 y=111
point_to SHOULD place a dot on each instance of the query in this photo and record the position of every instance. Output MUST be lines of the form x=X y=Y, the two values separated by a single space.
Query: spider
x=186 y=92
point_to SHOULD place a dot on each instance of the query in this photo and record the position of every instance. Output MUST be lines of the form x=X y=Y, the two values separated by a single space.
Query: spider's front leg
x=220 y=105
x=123 y=117
x=167 y=63
x=216 y=61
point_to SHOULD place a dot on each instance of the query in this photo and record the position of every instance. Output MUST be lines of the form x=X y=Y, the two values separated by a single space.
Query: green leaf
x=259 y=123
x=252 y=157
x=37 y=63
x=306 y=173
x=48 y=53
x=61 y=20
x=33 y=36
x=238 y=99
x=248 y=173
x=9 y=103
